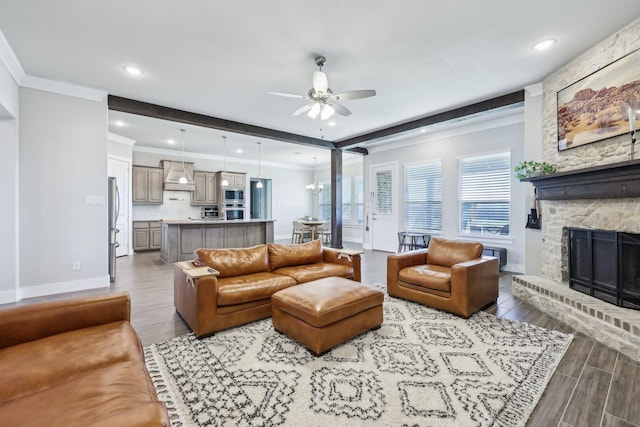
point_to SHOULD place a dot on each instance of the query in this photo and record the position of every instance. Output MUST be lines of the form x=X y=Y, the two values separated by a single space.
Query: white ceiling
x=221 y=58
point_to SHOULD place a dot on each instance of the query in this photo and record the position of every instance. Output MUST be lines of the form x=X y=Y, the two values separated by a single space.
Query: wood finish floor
x=593 y=385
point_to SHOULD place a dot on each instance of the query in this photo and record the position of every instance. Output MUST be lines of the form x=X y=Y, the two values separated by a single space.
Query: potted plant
x=531 y=168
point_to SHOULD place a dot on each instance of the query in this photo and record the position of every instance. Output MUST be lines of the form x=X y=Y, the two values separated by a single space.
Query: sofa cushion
x=34 y=366
x=234 y=262
x=449 y=252
x=427 y=276
x=288 y=255
x=308 y=272
x=251 y=287
x=100 y=394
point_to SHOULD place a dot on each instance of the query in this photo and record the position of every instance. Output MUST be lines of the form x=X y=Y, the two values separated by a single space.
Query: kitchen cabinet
x=147 y=185
x=206 y=192
x=147 y=235
x=235 y=179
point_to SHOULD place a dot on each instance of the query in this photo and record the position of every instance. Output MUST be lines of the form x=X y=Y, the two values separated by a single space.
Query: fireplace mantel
x=614 y=180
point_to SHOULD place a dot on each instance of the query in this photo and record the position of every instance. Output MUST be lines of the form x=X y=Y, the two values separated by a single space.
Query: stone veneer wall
x=606 y=214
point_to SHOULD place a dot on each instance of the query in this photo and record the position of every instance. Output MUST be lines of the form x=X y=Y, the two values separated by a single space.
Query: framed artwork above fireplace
x=602 y=105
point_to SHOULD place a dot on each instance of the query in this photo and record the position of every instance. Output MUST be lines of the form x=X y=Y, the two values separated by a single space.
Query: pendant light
x=259 y=184
x=314 y=188
x=224 y=182
x=183 y=178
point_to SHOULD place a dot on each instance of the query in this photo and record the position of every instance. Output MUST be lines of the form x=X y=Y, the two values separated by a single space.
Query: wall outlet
x=75 y=266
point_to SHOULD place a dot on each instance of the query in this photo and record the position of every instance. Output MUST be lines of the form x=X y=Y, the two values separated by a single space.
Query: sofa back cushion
x=449 y=252
x=289 y=255
x=234 y=262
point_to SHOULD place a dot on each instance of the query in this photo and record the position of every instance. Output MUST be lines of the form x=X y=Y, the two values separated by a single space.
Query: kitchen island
x=180 y=238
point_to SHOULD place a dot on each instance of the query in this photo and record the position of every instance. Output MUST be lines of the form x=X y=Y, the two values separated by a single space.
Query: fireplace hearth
x=605 y=265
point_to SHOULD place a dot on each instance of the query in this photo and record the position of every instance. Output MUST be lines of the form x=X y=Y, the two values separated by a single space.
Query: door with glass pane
x=384 y=207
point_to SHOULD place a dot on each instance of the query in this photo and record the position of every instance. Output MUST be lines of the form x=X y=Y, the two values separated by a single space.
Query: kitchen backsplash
x=177 y=205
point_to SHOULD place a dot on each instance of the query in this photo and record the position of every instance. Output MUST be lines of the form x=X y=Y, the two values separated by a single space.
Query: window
x=352 y=201
x=485 y=194
x=423 y=197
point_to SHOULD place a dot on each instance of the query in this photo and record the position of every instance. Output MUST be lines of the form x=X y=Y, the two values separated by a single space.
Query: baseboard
x=64 y=287
x=7 y=297
x=514 y=268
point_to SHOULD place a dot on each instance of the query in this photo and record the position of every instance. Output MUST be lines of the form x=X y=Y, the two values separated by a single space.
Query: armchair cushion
x=234 y=262
x=450 y=252
x=428 y=276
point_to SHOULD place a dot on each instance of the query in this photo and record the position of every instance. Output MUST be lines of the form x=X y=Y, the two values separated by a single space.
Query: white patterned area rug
x=423 y=367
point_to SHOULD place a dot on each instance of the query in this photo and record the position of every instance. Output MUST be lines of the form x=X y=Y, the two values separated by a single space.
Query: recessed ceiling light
x=543 y=45
x=423 y=130
x=171 y=141
x=134 y=71
x=119 y=123
x=332 y=123
x=239 y=151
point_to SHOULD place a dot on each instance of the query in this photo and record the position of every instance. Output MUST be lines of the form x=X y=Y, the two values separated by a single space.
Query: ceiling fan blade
x=302 y=110
x=320 y=82
x=288 y=95
x=343 y=111
x=354 y=94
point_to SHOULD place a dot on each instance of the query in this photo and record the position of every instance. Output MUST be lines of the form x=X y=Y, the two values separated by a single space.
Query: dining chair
x=300 y=232
x=323 y=231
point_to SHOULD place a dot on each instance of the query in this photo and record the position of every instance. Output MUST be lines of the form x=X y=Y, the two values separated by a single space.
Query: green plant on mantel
x=530 y=168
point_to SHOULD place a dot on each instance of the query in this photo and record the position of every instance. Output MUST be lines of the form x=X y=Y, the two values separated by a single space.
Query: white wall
x=290 y=198
x=8 y=186
x=492 y=134
x=63 y=160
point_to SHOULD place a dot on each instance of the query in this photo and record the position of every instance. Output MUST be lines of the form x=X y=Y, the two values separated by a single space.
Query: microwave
x=210 y=212
x=233 y=195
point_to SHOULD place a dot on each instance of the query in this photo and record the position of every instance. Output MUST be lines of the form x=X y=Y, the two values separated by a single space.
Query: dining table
x=312 y=224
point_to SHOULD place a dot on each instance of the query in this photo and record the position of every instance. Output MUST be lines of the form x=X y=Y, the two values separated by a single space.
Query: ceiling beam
x=468 y=110
x=132 y=106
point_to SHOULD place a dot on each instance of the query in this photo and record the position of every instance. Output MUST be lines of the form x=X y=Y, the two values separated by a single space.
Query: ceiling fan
x=323 y=102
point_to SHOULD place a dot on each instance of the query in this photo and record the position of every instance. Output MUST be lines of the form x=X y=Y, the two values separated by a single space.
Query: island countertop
x=181 y=237
x=214 y=221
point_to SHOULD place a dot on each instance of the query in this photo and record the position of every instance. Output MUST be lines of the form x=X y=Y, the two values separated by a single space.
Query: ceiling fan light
x=326 y=112
x=314 y=111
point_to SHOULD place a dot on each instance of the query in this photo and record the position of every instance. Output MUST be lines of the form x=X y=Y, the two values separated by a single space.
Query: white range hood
x=173 y=171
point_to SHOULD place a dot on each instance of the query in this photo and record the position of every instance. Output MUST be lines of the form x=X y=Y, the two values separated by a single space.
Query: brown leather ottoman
x=326 y=312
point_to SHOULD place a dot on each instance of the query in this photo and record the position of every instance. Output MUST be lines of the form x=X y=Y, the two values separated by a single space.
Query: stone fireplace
x=574 y=200
x=605 y=197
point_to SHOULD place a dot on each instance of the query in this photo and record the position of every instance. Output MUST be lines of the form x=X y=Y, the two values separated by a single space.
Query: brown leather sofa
x=451 y=275
x=247 y=277
x=75 y=362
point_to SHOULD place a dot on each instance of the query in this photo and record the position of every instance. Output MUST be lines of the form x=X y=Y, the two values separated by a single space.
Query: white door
x=120 y=170
x=384 y=202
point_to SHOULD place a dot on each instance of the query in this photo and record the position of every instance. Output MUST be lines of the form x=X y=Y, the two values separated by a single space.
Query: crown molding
x=10 y=60
x=121 y=139
x=534 y=89
x=60 y=88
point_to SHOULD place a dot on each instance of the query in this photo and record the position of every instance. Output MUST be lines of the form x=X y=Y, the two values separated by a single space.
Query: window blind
x=423 y=196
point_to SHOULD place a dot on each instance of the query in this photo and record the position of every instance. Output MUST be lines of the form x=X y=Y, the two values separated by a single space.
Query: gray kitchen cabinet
x=147 y=185
x=206 y=192
x=147 y=235
x=235 y=179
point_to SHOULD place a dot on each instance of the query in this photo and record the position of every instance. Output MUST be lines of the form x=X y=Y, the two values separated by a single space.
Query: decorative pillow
x=234 y=262
x=289 y=255
x=449 y=252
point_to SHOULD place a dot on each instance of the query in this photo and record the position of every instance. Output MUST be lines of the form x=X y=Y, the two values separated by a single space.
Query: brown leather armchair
x=451 y=275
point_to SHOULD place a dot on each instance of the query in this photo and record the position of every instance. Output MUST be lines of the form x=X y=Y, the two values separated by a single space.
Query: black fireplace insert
x=605 y=265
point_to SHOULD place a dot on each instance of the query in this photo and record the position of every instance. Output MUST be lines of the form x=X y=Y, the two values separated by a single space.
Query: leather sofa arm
x=345 y=257
x=476 y=277
x=26 y=323
x=195 y=298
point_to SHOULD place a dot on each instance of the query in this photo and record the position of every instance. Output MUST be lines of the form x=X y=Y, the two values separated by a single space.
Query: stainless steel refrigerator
x=114 y=209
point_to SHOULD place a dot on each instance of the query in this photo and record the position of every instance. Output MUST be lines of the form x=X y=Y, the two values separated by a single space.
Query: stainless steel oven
x=233 y=195
x=233 y=211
